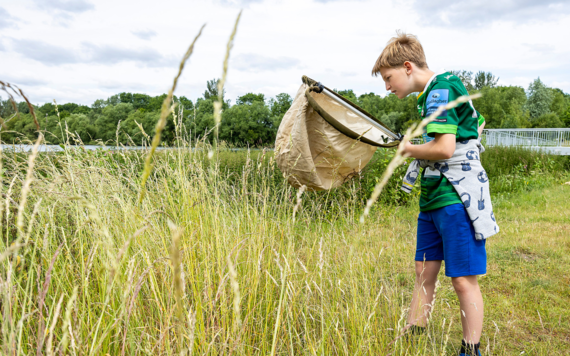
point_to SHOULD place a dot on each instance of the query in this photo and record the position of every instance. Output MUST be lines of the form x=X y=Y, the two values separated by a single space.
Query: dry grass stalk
x=399 y=158
x=191 y=331
x=164 y=112
x=299 y=201
x=27 y=184
x=237 y=297
x=42 y=298
x=7 y=87
x=32 y=219
x=128 y=243
x=221 y=83
x=280 y=306
x=52 y=327
x=131 y=305
x=29 y=175
x=176 y=262
x=66 y=328
x=10 y=250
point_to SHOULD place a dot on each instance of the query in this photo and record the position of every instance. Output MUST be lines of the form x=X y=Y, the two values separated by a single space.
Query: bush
x=512 y=169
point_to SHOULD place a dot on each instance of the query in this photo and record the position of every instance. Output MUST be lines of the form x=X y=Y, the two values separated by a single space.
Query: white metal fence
x=555 y=141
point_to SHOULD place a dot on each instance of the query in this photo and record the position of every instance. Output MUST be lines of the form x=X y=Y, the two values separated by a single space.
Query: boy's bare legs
x=426 y=277
x=471 y=303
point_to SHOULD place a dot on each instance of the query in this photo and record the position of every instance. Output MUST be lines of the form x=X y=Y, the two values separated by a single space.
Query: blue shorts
x=447 y=234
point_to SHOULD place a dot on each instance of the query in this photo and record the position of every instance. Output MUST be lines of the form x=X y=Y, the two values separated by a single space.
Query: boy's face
x=398 y=80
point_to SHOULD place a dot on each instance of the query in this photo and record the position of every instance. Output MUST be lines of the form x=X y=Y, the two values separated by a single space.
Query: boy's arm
x=481 y=127
x=441 y=147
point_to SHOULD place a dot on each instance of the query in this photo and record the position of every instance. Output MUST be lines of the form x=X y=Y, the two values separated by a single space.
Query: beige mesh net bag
x=324 y=139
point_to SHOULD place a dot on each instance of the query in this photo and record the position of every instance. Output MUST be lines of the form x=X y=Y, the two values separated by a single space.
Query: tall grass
x=212 y=260
x=220 y=257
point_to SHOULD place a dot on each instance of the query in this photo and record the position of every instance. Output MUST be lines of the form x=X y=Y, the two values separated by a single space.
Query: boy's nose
x=387 y=87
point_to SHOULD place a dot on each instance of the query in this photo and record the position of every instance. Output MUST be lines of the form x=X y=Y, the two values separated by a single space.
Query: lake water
x=57 y=148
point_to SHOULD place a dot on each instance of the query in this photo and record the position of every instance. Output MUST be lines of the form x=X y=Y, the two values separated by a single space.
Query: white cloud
x=44 y=52
x=144 y=34
x=277 y=42
x=54 y=55
x=250 y=62
x=482 y=12
x=69 y=6
x=25 y=80
x=111 y=54
x=6 y=19
x=64 y=11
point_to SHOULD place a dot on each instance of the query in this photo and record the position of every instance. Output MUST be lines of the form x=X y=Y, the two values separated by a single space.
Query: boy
x=454 y=219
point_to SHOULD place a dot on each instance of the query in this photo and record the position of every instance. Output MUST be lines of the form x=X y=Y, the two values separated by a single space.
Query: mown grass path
x=528 y=283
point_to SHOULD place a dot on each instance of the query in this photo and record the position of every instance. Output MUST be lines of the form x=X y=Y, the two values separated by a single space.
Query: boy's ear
x=408 y=67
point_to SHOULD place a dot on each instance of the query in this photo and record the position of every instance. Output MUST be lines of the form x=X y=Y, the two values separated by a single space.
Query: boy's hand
x=442 y=147
x=408 y=147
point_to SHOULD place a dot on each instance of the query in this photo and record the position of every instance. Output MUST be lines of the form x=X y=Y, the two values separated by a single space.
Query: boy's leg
x=429 y=254
x=465 y=258
x=426 y=277
x=471 y=304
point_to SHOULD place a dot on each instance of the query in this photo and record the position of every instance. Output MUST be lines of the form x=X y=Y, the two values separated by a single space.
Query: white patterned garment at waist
x=465 y=172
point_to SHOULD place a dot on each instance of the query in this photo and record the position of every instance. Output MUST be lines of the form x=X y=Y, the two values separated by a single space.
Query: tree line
x=253 y=120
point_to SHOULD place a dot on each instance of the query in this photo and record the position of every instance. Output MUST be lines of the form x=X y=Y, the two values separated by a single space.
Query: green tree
x=250 y=98
x=565 y=118
x=139 y=101
x=485 y=79
x=549 y=120
x=381 y=108
x=108 y=120
x=21 y=127
x=502 y=107
x=278 y=107
x=203 y=123
x=81 y=126
x=248 y=123
x=97 y=106
x=212 y=90
x=392 y=120
x=82 y=109
x=560 y=102
x=130 y=131
x=113 y=100
x=348 y=94
x=155 y=103
x=6 y=108
x=539 y=99
x=466 y=78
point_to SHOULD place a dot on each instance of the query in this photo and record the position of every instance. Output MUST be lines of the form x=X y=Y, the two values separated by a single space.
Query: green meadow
x=223 y=257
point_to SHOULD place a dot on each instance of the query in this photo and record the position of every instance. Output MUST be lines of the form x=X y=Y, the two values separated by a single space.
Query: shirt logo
x=435 y=99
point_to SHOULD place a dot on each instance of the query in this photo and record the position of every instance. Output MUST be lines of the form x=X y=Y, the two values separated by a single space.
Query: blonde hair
x=404 y=47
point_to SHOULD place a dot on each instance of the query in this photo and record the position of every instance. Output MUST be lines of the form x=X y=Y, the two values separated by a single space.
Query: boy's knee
x=463 y=285
x=426 y=272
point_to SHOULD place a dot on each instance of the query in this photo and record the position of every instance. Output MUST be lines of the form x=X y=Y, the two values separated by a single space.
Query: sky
x=83 y=50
